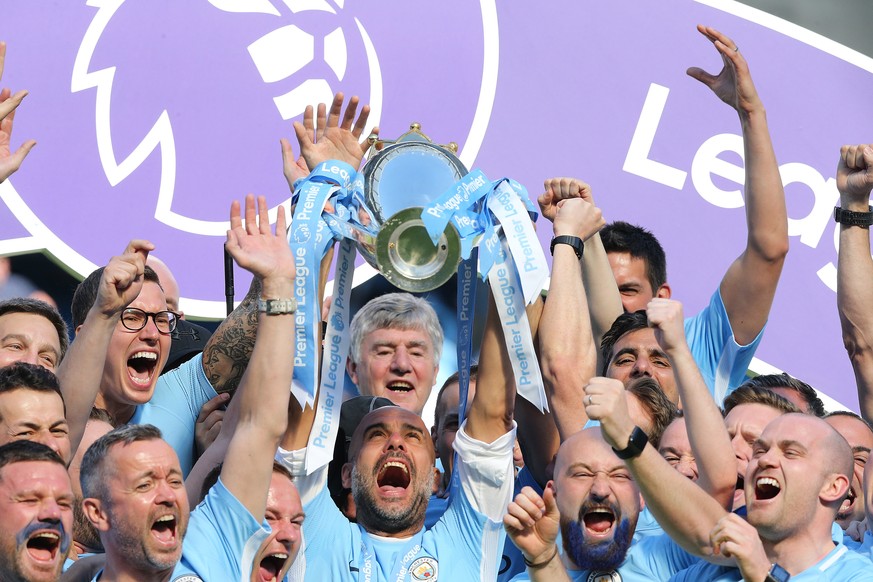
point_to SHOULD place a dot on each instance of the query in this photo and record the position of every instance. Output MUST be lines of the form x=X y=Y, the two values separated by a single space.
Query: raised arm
x=537 y=434
x=228 y=350
x=266 y=383
x=855 y=270
x=667 y=492
x=749 y=284
x=80 y=372
x=716 y=461
x=604 y=300
x=10 y=162
x=567 y=352
x=491 y=411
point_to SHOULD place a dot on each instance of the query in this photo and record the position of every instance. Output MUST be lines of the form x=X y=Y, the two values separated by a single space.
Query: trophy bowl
x=400 y=179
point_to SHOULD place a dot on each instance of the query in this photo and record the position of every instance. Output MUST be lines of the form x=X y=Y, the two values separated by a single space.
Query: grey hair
x=396 y=311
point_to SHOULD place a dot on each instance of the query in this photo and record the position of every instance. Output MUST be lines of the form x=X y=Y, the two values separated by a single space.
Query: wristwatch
x=635 y=445
x=277 y=306
x=851 y=218
x=574 y=241
x=777 y=574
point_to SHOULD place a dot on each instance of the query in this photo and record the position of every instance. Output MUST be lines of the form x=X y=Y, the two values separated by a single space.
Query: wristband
x=542 y=564
x=851 y=218
x=277 y=306
x=574 y=241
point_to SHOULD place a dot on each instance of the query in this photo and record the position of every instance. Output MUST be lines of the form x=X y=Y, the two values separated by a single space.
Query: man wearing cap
x=391 y=475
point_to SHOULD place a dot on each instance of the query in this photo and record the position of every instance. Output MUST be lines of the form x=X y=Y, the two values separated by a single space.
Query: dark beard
x=84 y=531
x=606 y=555
x=386 y=519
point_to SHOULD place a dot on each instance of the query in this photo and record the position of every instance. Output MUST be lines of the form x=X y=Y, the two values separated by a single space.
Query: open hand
x=330 y=139
x=733 y=84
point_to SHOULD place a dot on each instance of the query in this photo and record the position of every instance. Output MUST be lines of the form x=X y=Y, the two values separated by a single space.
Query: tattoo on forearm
x=227 y=353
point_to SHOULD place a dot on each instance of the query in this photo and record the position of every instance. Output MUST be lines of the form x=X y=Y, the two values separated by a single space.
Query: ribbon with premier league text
x=455 y=202
x=322 y=437
x=496 y=219
x=508 y=298
x=309 y=238
x=464 y=345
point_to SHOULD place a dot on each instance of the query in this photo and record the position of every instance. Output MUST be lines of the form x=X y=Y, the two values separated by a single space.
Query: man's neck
x=80 y=549
x=121 y=412
x=404 y=534
x=800 y=550
x=117 y=569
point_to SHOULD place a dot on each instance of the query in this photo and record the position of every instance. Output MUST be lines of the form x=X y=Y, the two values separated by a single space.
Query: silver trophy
x=401 y=177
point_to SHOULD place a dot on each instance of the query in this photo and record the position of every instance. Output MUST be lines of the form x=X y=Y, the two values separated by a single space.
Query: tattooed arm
x=228 y=350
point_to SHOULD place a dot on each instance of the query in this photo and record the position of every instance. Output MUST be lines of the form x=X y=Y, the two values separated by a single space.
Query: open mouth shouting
x=272 y=566
x=142 y=368
x=766 y=488
x=44 y=546
x=599 y=520
x=393 y=477
x=165 y=531
x=847 y=508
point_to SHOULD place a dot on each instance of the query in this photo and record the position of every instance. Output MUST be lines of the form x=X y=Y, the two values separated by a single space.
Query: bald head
x=835 y=450
x=582 y=446
x=389 y=419
x=168 y=282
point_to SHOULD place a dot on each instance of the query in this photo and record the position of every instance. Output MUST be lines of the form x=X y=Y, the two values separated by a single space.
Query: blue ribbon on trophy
x=511 y=260
x=413 y=212
x=309 y=238
x=322 y=437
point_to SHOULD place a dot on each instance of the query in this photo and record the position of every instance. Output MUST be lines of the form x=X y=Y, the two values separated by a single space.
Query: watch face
x=778 y=574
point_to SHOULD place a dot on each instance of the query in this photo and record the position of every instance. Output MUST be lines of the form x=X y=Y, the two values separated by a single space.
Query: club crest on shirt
x=604 y=577
x=188 y=578
x=424 y=569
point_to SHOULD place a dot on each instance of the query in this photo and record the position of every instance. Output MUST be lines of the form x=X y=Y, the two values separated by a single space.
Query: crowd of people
x=661 y=459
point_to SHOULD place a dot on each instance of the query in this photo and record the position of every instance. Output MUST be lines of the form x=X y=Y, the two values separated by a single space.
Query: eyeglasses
x=135 y=319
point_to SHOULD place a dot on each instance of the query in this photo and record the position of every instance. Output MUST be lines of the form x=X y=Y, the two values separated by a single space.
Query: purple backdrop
x=152 y=116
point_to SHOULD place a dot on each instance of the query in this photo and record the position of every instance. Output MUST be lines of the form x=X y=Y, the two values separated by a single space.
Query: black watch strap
x=574 y=241
x=635 y=445
x=852 y=218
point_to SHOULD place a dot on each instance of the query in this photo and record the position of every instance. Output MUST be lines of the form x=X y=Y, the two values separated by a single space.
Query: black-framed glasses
x=135 y=319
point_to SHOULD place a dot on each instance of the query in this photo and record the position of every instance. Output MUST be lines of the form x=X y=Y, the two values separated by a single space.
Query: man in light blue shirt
x=795 y=483
x=123 y=329
x=595 y=505
x=131 y=478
